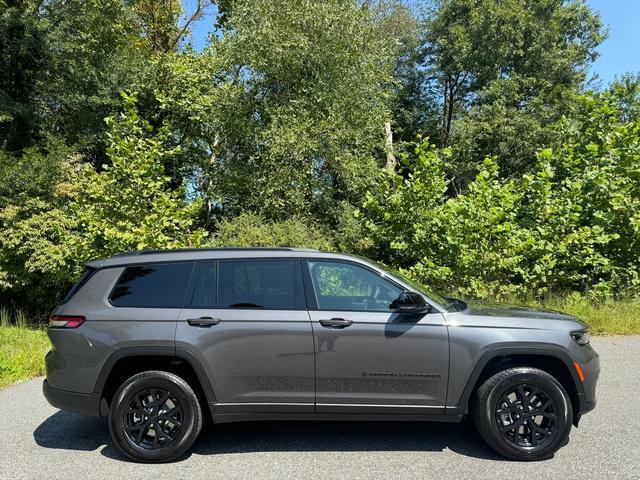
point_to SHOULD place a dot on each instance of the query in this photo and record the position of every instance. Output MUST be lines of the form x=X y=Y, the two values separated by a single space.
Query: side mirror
x=410 y=302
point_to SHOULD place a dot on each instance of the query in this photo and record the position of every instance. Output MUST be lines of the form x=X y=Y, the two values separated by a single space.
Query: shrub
x=129 y=205
x=573 y=224
x=252 y=230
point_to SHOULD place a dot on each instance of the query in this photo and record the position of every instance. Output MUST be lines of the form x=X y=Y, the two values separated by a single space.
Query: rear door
x=370 y=359
x=247 y=322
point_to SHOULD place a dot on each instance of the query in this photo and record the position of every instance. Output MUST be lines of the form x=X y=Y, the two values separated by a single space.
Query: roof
x=152 y=251
x=188 y=254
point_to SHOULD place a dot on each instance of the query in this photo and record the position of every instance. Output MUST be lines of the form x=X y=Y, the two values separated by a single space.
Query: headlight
x=581 y=337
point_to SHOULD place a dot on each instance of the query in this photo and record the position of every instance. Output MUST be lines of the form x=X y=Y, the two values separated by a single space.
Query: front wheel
x=155 y=417
x=523 y=413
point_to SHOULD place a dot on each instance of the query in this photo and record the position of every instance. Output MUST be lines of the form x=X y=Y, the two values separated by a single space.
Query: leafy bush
x=573 y=224
x=129 y=205
x=252 y=230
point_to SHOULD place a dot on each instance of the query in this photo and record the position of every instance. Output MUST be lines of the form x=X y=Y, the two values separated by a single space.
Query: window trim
x=310 y=290
x=188 y=286
x=191 y=287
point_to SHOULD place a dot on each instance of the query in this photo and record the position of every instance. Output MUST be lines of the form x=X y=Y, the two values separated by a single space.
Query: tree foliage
x=316 y=77
x=570 y=224
x=81 y=214
x=506 y=69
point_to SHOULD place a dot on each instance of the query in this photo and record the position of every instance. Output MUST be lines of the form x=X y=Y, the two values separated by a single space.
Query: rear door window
x=152 y=286
x=260 y=284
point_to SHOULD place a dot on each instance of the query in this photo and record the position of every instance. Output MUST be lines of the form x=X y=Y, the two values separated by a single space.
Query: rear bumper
x=84 y=403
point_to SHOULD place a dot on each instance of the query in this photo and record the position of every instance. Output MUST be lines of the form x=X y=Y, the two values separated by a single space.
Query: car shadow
x=69 y=431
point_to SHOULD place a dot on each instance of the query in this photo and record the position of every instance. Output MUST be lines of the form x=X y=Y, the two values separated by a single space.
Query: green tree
x=505 y=69
x=23 y=56
x=251 y=230
x=128 y=205
x=571 y=224
x=625 y=91
x=316 y=79
x=85 y=214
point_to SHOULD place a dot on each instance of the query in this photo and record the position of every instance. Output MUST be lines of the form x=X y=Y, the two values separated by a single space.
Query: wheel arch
x=553 y=361
x=128 y=361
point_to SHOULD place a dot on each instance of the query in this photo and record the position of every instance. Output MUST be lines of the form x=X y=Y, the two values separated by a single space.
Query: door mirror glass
x=410 y=302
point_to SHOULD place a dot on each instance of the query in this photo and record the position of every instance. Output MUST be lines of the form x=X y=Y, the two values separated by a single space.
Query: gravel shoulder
x=39 y=441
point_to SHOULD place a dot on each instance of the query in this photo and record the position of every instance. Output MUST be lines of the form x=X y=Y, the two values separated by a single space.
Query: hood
x=501 y=310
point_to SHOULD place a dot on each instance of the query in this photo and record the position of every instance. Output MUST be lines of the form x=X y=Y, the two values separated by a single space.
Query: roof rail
x=152 y=251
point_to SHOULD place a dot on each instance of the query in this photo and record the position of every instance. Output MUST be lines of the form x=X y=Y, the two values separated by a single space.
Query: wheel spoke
x=532 y=434
x=163 y=399
x=168 y=414
x=516 y=434
x=173 y=421
x=147 y=424
x=143 y=430
x=511 y=426
x=517 y=420
x=543 y=431
x=544 y=406
x=523 y=396
x=165 y=435
x=132 y=428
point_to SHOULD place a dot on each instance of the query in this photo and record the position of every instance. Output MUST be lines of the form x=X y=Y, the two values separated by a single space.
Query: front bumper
x=590 y=364
x=84 y=403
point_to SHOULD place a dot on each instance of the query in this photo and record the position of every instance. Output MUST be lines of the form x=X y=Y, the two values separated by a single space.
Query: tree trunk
x=388 y=146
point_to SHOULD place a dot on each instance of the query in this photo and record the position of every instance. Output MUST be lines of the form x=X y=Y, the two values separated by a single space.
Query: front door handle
x=203 y=321
x=336 y=323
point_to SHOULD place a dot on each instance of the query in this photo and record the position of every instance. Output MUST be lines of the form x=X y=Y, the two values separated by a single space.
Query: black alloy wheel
x=153 y=418
x=526 y=416
x=523 y=413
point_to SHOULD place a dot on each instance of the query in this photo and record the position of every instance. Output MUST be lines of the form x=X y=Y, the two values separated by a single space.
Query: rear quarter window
x=88 y=271
x=152 y=286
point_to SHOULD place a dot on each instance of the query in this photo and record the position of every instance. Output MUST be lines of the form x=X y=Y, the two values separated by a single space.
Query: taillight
x=65 y=321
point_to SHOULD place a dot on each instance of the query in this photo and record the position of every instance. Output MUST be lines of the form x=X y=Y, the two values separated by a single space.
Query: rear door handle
x=203 y=321
x=336 y=323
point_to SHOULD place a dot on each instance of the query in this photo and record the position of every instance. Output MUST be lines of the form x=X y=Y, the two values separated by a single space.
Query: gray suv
x=159 y=341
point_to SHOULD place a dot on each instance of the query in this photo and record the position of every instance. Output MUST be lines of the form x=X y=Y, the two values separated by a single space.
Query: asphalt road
x=37 y=442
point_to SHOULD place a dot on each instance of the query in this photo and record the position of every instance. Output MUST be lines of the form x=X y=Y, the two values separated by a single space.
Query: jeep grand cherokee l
x=157 y=340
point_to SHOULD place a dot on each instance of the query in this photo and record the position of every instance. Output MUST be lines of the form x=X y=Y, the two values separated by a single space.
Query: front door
x=370 y=359
x=248 y=324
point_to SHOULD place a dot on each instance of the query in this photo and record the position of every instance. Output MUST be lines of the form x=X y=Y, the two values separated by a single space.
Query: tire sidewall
x=550 y=388
x=183 y=394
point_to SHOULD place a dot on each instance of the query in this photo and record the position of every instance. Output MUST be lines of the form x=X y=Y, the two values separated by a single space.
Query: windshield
x=451 y=304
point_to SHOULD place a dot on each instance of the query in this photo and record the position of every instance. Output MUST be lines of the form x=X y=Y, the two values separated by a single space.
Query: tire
x=154 y=417
x=508 y=404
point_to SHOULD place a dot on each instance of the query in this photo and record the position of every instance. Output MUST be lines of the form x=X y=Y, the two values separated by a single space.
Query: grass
x=609 y=317
x=620 y=317
x=22 y=352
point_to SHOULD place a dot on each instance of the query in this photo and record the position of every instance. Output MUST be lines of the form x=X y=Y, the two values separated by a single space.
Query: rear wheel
x=155 y=416
x=523 y=413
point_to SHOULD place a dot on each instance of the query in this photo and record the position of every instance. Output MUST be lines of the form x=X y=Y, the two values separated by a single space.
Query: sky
x=619 y=53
